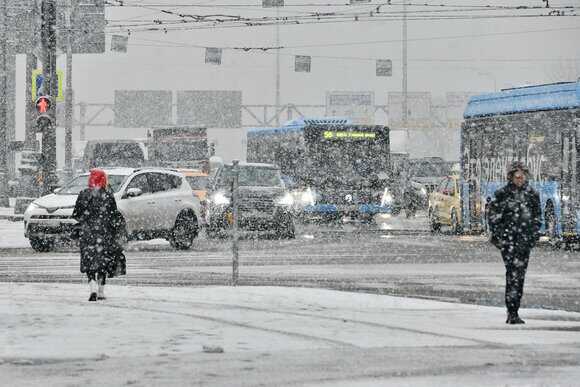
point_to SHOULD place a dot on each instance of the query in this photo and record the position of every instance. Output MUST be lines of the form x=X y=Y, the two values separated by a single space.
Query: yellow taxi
x=445 y=205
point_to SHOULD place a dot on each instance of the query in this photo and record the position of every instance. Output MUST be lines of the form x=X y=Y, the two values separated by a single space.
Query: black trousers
x=92 y=276
x=516 y=265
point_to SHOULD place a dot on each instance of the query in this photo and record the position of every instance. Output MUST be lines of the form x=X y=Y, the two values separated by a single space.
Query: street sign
x=384 y=68
x=37 y=88
x=213 y=55
x=119 y=43
x=87 y=25
x=272 y=3
x=302 y=63
x=359 y=106
x=418 y=110
x=43 y=104
x=143 y=108
x=210 y=108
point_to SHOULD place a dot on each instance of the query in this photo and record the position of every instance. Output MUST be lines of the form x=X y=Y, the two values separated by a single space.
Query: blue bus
x=538 y=125
x=336 y=170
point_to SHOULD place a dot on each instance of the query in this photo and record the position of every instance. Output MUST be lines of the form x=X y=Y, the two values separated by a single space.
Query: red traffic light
x=42 y=104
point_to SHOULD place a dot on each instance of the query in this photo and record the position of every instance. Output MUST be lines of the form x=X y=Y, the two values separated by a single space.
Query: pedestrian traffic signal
x=43 y=123
x=43 y=104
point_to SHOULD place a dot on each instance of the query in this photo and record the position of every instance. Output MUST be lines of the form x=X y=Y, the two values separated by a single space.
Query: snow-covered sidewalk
x=51 y=335
x=7 y=213
x=12 y=235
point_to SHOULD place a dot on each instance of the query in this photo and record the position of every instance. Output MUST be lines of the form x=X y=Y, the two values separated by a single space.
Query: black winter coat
x=99 y=223
x=515 y=217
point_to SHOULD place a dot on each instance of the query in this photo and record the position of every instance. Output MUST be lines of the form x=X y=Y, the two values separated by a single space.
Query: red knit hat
x=97 y=178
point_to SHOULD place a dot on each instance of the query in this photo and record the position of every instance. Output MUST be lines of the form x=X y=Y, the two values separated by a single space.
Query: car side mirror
x=133 y=192
x=57 y=190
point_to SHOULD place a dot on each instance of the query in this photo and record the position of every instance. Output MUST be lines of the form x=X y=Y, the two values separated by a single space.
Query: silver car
x=155 y=203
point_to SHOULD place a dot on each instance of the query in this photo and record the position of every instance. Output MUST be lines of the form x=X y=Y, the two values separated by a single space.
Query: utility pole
x=68 y=102
x=48 y=41
x=30 y=110
x=405 y=102
x=277 y=65
x=235 y=238
x=4 y=201
x=82 y=120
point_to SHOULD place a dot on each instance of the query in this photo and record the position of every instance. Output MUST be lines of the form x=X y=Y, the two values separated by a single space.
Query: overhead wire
x=371 y=11
x=221 y=24
x=185 y=22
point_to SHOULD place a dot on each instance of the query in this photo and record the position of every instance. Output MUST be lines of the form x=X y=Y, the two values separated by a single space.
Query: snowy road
x=274 y=337
x=442 y=267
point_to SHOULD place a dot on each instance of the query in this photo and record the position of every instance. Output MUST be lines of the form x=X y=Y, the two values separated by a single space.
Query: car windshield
x=251 y=176
x=197 y=182
x=76 y=185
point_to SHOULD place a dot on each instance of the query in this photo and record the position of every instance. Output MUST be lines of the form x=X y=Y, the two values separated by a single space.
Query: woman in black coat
x=99 y=223
x=514 y=222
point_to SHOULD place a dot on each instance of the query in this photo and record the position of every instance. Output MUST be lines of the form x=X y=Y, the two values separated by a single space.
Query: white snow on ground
x=12 y=235
x=401 y=222
x=50 y=331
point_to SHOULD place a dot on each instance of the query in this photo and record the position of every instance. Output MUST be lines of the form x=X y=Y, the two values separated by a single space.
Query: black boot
x=513 y=319
x=93 y=288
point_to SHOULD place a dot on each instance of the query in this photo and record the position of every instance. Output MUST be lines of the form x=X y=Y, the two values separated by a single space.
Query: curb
x=12 y=218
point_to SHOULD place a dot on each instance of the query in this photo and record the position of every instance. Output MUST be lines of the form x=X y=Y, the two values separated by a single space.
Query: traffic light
x=43 y=104
x=43 y=121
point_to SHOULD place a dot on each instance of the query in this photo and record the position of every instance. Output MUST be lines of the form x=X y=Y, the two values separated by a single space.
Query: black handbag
x=120 y=265
x=118 y=262
x=75 y=233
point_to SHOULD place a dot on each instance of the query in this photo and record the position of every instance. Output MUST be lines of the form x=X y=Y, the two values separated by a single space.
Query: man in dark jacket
x=99 y=220
x=514 y=222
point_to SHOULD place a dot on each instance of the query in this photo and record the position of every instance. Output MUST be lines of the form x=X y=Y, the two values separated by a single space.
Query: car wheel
x=184 y=232
x=434 y=225
x=287 y=231
x=41 y=245
x=455 y=226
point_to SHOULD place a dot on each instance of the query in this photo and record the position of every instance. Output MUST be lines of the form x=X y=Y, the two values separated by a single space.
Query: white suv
x=155 y=203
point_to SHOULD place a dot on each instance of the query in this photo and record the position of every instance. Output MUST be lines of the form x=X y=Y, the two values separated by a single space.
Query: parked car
x=155 y=203
x=264 y=202
x=445 y=206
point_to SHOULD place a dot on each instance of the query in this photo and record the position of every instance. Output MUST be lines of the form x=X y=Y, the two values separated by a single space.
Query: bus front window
x=346 y=163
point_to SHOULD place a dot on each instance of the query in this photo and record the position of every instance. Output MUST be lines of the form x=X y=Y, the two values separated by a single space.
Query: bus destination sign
x=350 y=135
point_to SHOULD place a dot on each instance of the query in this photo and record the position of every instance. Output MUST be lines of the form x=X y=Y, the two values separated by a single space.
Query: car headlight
x=387 y=199
x=307 y=197
x=220 y=199
x=31 y=207
x=286 y=200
